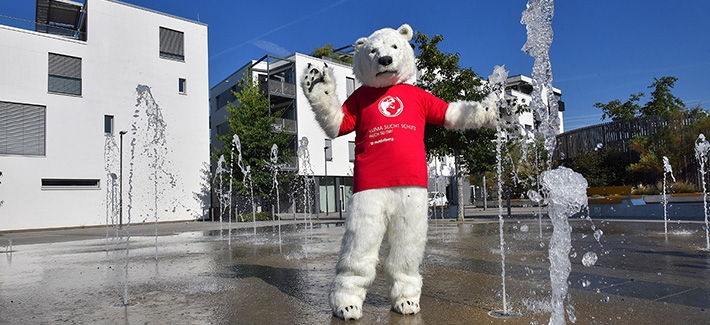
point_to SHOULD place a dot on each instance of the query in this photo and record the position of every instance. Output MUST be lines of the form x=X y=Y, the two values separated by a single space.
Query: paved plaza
x=205 y=276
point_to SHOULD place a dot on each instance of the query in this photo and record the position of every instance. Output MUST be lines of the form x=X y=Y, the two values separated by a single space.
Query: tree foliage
x=327 y=51
x=662 y=102
x=442 y=76
x=252 y=119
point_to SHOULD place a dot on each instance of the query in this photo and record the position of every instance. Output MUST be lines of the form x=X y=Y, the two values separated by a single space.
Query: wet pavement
x=77 y=276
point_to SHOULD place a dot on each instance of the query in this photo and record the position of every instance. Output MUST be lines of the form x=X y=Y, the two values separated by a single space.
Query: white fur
x=467 y=114
x=380 y=44
x=401 y=214
x=324 y=102
x=398 y=212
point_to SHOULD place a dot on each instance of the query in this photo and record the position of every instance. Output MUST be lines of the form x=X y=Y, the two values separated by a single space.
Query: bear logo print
x=390 y=106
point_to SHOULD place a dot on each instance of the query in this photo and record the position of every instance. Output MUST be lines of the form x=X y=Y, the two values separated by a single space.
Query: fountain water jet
x=666 y=170
x=702 y=146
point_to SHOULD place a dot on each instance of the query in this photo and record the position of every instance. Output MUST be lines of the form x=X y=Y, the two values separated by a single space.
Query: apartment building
x=80 y=87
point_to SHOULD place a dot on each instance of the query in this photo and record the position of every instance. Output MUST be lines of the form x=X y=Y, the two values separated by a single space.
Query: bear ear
x=406 y=31
x=360 y=43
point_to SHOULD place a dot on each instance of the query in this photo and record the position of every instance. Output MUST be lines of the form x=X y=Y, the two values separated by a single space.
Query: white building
x=69 y=83
x=284 y=90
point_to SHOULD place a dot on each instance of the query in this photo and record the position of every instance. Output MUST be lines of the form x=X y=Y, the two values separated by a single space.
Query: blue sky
x=602 y=49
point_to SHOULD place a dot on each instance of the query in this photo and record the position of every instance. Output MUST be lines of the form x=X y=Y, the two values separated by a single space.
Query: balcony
x=286 y=125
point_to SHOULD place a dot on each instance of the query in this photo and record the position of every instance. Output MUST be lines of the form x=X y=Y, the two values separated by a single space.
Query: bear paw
x=406 y=306
x=318 y=83
x=350 y=312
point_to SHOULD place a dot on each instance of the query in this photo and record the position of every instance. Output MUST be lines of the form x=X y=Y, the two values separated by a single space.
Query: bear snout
x=385 y=60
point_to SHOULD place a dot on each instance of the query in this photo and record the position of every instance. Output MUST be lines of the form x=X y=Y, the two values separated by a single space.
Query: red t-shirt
x=389 y=134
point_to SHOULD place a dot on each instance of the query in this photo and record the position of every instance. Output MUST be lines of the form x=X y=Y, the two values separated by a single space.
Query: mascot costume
x=388 y=115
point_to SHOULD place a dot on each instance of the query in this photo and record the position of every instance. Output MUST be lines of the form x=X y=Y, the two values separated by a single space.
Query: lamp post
x=325 y=162
x=120 y=182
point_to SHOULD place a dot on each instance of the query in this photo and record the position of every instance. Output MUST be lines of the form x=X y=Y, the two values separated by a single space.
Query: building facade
x=92 y=86
x=329 y=161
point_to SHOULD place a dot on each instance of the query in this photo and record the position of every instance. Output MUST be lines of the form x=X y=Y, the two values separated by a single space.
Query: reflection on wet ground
x=639 y=277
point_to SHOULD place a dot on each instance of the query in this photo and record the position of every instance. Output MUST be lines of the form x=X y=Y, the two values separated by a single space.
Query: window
x=328 y=150
x=64 y=74
x=351 y=150
x=349 y=85
x=108 y=124
x=65 y=184
x=172 y=44
x=182 y=86
x=22 y=129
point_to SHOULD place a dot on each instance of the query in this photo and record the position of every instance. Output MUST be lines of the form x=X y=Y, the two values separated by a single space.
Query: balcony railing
x=285 y=125
x=280 y=87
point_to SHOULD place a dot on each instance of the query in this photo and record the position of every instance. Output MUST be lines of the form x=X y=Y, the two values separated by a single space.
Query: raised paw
x=406 y=306
x=350 y=312
x=318 y=82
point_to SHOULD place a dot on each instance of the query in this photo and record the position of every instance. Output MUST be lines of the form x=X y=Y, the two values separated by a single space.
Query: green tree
x=662 y=102
x=252 y=119
x=473 y=150
x=328 y=52
x=616 y=110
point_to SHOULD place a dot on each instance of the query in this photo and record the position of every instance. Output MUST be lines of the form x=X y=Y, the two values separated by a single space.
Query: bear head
x=385 y=58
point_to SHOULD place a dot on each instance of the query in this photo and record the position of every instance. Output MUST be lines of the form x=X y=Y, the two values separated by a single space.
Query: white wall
x=309 y=127
x=121 y=52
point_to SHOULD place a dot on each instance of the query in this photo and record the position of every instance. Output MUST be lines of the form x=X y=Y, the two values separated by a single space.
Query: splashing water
x=246 y=171
x=666 y=170
x=589 y=259
x=220 y=191
x=567 y=194
x=275 y=183
x=702 y=146
x=304 y=158
x=538 y=23
x=497 y=80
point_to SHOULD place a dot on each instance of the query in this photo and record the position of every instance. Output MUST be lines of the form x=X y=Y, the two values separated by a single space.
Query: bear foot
x=350 y=312
x=406 y=306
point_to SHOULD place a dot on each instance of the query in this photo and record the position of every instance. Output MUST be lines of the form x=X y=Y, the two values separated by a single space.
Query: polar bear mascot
x=388 y=115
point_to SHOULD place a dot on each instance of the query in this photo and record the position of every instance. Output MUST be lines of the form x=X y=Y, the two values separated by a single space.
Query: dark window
x=70 y=183
x=351 y=150
x=22 y=129
x=349 y=85
x=108 y=124
x=182 y=86
x=172 y=44
x=64 y=74
x=328 y=150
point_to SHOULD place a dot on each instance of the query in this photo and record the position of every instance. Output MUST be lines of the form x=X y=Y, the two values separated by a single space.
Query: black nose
x=385 y=60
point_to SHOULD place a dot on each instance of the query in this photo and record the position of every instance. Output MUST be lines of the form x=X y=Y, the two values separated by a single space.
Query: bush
x=260 y=216
x=681 y=187
x=642 y=189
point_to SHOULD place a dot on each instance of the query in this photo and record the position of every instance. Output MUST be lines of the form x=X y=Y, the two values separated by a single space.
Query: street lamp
x=325 y=162
x=120 y=182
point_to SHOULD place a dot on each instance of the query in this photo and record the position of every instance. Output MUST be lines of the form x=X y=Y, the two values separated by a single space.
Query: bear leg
x=364 y=230
x=407 y=235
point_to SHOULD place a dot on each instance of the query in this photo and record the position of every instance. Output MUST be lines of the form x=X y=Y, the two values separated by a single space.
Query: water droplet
x=534 y=196
x=574 y=255
x=570 y=314
x=524 y=228
x=606 y=299
x=598 y=234
x=589 y=259
x=586 y=283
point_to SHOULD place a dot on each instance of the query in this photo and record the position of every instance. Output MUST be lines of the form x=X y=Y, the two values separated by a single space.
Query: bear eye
x=373 y=51
x=394 y=46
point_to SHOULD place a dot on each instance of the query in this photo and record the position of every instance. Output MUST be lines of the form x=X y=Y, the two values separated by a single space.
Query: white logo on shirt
x=390 y=106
